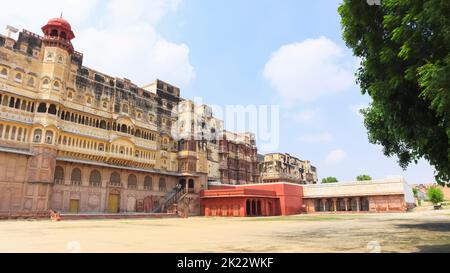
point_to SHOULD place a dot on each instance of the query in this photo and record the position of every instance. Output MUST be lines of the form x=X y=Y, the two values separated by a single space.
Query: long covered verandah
x=347 y=204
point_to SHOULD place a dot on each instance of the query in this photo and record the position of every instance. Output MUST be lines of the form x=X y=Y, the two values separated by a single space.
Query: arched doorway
x=191 y=185
x=254 y=208
x=182 y=183
x=114 y=202
x=258 y=208
x=271 y=213
x=365 y=204
x=318 y=205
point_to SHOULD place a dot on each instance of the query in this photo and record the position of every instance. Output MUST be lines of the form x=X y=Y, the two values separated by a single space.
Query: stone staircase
x=171 y=200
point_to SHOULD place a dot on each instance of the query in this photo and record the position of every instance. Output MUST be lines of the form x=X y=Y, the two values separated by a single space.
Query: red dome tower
x=58 y=32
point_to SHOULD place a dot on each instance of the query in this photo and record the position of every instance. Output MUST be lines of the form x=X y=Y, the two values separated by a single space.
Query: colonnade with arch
x=347 y=204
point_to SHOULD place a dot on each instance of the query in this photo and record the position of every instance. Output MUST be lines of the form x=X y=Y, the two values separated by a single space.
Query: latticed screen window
x=76 y=177
x=95 y=179
x=59 y=175
x=132 y=181
x=148 y=183
x=162 y=185
x=115 y=179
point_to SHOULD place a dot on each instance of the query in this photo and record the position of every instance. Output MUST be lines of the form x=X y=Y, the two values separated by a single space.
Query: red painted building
x=252 y=200
x=274 y=199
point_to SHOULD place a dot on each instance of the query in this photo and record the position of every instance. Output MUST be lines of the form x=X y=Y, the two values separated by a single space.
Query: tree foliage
x=435 y=195
x=364 y=177
x=404 y=47
x=330 y=180
x=416 y=193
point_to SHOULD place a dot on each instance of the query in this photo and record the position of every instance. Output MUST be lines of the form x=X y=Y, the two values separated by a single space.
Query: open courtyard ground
x=424 y=231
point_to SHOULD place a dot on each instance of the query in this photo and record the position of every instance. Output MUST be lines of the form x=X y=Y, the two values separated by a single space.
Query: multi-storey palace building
x=238 y=159
x=200 y=132
x=77 y=141
x=73 y=139
x=279 y=167
x=227 y=157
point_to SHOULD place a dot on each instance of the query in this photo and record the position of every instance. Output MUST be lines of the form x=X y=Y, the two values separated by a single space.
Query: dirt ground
x=422 y=231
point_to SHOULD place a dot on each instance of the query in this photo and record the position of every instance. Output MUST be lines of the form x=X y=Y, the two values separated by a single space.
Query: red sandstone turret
x=58 y=32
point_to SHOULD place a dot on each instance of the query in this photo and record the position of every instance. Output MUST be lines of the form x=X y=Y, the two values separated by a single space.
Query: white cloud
x=117 y=37
x=335 y=157
x=306 y=117
x=135 y=11
x=308 y=70
x=33 y=15
x=316 y=138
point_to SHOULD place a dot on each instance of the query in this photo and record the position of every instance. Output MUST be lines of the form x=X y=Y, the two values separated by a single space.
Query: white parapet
x=388 y=186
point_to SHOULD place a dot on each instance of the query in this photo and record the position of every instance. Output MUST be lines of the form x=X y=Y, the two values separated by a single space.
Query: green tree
x=330 y=180
x=416 y=193
x=404 y=47
x=364 y=177
x=435 y=195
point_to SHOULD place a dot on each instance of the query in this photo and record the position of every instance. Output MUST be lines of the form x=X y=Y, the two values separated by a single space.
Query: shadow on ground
x=433 y=226
x=434 y=249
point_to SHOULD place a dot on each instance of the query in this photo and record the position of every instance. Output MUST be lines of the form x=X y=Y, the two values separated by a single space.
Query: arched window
x=45 y=83
x=5 y=100
x=17 y=106
x=125 y=108
x=54 y=33
x=132 y=181
x=75 y=178
x=11 y=102
x=37 y=136
x=148 y=183
x=56 y=85
x=103 y=124
x=30 y=81
x=123 y=128
x=115 y=179
x=49 y=137
x=4 y=73
x=18 y=77
x=63 y=35
x=162 y=185
x=42 y=108
x=52 y=109
x=69 y=95
x=95 y=179
x=59 y=175
x=101 y=147
x=191 y=184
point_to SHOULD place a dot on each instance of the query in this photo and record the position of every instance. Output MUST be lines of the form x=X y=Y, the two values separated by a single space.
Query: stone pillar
x=346 y=204
x=358 y=204
x=335 y=204
x=324 y=204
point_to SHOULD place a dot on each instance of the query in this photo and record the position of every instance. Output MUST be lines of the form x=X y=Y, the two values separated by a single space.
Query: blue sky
x=254 y=52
